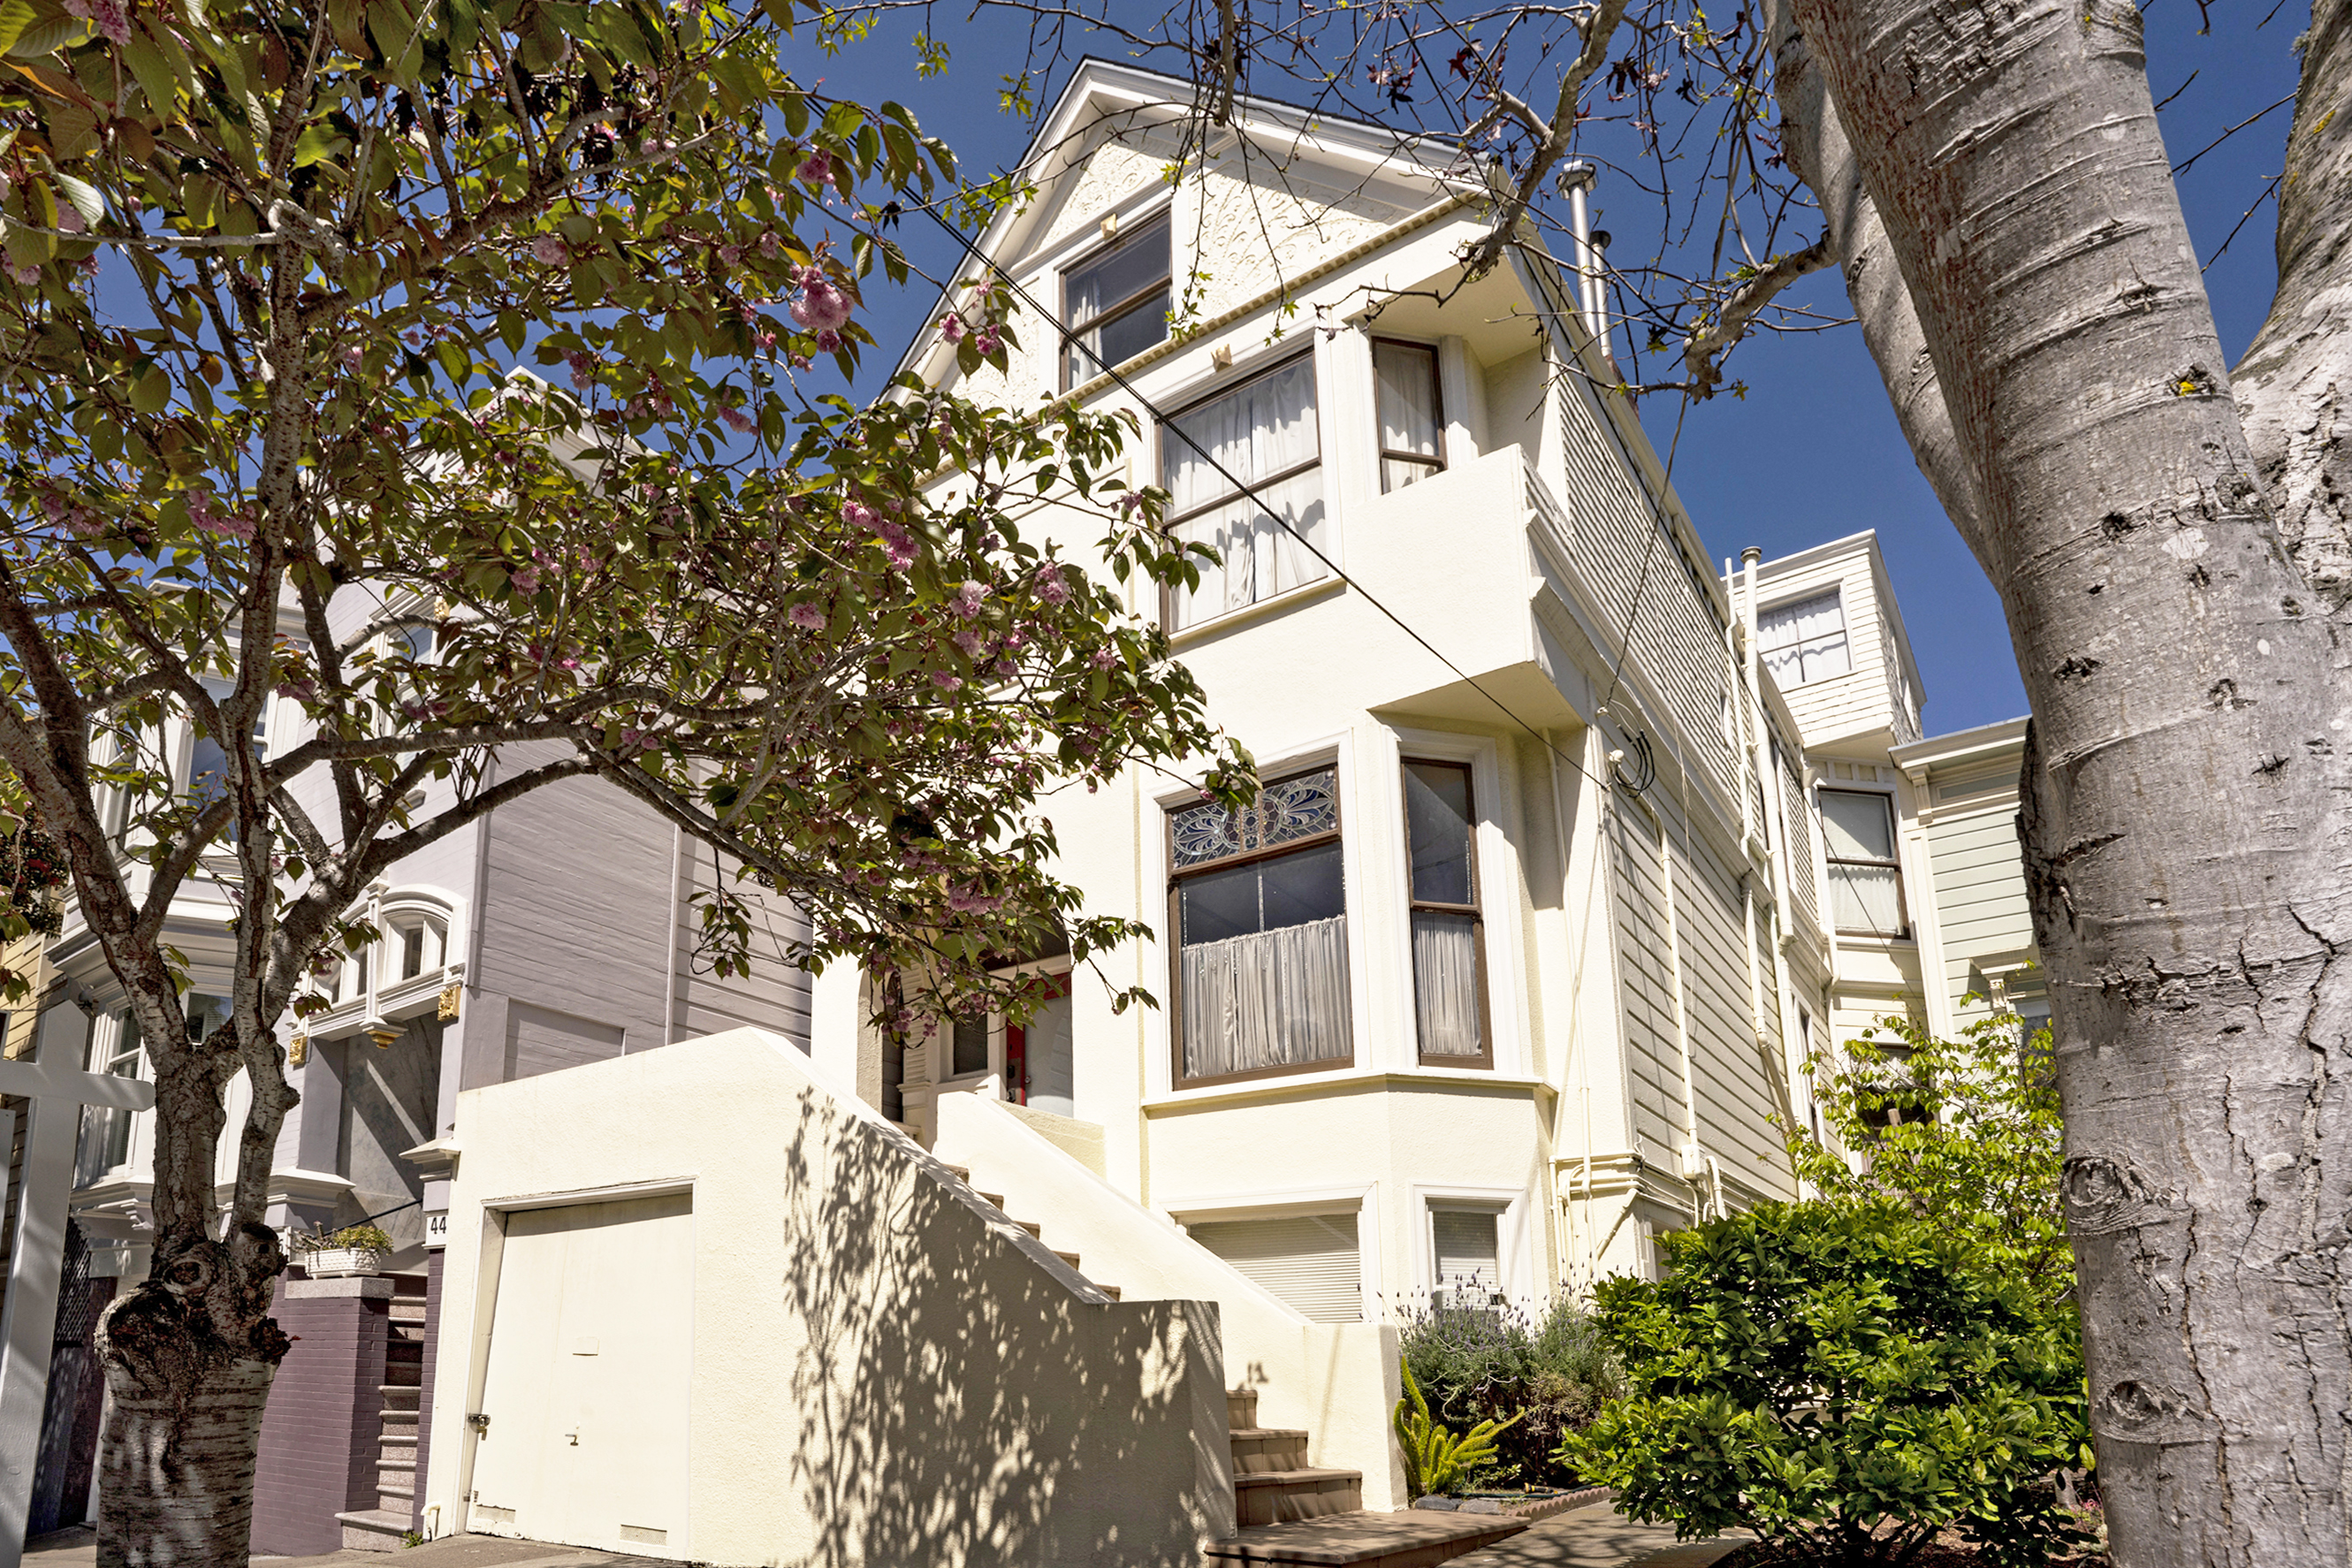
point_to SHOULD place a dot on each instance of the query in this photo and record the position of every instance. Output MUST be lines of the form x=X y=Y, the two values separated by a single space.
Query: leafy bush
x=1435 y=1460
x=1553 y=1373
x=1843 y=1379
x=357 y=1237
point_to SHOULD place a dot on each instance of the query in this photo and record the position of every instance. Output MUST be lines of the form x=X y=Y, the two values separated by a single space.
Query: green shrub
x=1553 y=1372
x=1435 y=1460
x=1843 y=1379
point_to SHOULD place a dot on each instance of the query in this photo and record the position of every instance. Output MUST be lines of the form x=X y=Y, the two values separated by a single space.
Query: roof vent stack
x=1589 y=263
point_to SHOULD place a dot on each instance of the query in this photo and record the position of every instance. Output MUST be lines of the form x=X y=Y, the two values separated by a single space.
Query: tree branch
x=1704 y=349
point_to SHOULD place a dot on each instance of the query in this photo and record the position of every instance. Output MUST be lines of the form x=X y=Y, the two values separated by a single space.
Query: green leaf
x=47 y=38
x=153 y=69
x=84 y=197
x=152 y=390
x=15 y=18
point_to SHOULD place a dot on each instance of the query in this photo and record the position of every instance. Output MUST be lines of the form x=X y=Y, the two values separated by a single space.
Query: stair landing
x=1410 y=1539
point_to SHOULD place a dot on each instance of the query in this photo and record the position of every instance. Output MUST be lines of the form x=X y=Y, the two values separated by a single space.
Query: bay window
x=1865 y=877
x=1412 y=424
x=1448 y=937
x=1264 y=434
x=1114 y=300
x=1258 y=906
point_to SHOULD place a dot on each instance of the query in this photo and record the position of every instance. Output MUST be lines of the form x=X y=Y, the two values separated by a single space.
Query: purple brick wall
x=424 y=1400
x=319 y=1435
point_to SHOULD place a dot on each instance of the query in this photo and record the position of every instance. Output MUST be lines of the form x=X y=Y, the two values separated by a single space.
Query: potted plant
x=354 y=1250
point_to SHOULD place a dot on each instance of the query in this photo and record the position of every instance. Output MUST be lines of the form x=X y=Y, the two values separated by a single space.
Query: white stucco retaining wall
x=885 y=1371
x=1338 y=1381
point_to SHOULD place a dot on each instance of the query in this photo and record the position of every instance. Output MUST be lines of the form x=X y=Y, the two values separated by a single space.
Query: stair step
x=395 y=1388
x=961 y=1172
x=407 y=1310
x=393 y=1416
x=1069 y=1258
x=1109 y=1291
x=1279 y=1496
x=1266 y=1448
x=1410 y=1539
x=996 y=1198
x=1241 y=1407
x=374 y=1530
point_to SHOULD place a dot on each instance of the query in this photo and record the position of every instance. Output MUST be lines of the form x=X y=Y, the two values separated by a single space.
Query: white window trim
x=399 y=1000
x=1498 y=905
x=1362 y=1200
x=1334 y=752
x=1515 y=1249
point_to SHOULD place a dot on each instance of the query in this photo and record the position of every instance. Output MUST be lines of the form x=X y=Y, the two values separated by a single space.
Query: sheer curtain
x=1273 y=998
x=1858 y=827
x=1445 y=983
x=1408 y=409
x=1804 y=641
x=1263 y=428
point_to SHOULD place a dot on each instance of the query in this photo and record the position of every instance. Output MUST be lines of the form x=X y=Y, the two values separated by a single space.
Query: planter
x=341 y=1262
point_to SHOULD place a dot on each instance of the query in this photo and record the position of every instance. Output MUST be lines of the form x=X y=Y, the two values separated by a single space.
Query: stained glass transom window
x=1283 y=813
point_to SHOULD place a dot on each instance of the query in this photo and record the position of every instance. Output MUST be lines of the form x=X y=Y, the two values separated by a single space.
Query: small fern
x=1435 y=1460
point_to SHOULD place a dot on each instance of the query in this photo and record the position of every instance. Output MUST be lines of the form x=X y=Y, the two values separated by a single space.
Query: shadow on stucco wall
x=962 y=1396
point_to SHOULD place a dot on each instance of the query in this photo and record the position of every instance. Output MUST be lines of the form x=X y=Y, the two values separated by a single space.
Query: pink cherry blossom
x=1050 y=585
x=524 y=579
x=986 y=341
x=1104 y=657
x=227 y=524
x=816 y=169
x=822 y=307
x=70 y=221
x=26 y=273
x=808 y=617
x=968 y=599
x=951 y=328
x=944 y=681
x=857 y=514
x=973 y=642
x=549 y=250
x=355 y=356
x=737 y=420
x=108 y=14
x=829 y=343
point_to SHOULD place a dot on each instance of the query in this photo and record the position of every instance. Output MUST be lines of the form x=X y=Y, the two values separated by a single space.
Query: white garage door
x=592 y=1350
x=1309 y=1260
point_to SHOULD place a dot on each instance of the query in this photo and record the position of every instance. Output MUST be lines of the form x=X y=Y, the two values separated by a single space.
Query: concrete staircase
x=1273 y=1483
x=1033 y=1227
x=383 y=1527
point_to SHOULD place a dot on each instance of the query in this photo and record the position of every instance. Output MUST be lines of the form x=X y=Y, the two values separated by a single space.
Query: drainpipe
x=1577 y=178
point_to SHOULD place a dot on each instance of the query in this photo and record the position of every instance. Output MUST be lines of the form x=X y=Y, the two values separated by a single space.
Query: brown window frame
x=1176 y=878
x=1485 y=1059
x=1169 y=524
x=1074 y=331
x=1438 y=464
x=1902 y=895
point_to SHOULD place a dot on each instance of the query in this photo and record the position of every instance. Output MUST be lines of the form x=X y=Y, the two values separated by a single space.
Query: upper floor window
x=1260 y=910
x=1412 y=424
x=1805 y=641
x=208 y=759
x=1865 y=879
x=1114 y=300
x=1448 y=938
x=1264 y=434
x=416 y=939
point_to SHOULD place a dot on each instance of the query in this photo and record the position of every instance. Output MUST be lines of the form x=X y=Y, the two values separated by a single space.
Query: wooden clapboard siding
x=1645 y=1000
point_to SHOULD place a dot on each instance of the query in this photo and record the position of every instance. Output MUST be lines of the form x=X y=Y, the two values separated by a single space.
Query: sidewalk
x=1596 y=1536
x=79 y=1546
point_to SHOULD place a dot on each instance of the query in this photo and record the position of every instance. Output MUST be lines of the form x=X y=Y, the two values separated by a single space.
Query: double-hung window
x=1448 y=940
x=1263 y=434
x=1114 y=302
x=208 y=759
x=1805 y=641
x=1258 y=903
x=1865 y=877
x=1468 y=1257
x=1412 y=424
x=105 y=1142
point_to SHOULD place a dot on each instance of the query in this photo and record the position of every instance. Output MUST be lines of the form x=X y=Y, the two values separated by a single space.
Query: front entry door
x=1037 y=1065
x=591 y=1356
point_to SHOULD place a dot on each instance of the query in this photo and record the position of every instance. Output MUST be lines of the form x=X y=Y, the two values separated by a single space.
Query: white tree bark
x=2167 y=568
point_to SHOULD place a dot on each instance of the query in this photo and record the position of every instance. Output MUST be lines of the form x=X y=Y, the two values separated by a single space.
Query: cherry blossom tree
x=276 y=275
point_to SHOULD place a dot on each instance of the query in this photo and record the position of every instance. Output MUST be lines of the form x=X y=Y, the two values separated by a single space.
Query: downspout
x=670 y=955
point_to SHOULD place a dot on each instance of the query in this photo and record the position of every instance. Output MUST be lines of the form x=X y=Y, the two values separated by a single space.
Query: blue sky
x=1812 y=452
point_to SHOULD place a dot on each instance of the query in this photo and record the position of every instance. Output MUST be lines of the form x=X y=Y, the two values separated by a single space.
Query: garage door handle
x=574 y=1436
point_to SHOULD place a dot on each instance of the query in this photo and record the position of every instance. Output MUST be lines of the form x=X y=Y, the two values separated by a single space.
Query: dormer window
x=1114 y=300
x=1804 y=642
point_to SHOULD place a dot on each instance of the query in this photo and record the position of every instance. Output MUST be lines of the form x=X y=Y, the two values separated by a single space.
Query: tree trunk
x=2186 y=845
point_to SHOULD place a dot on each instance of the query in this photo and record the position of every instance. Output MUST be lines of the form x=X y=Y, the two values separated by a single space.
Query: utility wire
x=1069 y=340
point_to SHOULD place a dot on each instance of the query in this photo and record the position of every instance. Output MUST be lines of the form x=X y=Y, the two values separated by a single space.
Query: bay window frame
x=1485 y=1060
x=1169 y=444
x=1177 y=877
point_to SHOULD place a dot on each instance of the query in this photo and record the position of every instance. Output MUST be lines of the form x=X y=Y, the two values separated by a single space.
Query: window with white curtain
x=1264 y=434
x=1804 y=641
x=1311 y=1261
x=1115 y=299
x=1865 y=877
x=1411 y=423
x=208 y=760
x=1448 y=938
x=1259 y=906
x=1467 y=1255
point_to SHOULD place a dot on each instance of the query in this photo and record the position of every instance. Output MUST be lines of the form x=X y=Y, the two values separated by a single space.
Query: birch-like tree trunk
x=2171 y=561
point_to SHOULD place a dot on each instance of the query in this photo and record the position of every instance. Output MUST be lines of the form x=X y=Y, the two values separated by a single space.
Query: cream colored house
x=1513 y=964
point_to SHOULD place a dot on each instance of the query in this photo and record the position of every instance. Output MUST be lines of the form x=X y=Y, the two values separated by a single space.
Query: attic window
x=1116 y=301
x=1804 y=642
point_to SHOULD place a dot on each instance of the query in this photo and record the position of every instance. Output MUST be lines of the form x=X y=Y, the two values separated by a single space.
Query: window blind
x=1308 y=1260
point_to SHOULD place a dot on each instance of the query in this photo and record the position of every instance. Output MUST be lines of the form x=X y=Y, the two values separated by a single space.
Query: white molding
x=573 y=1197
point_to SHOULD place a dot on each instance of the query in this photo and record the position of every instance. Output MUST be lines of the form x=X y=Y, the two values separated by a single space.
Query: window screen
x=1308 y=1260
x=1469 y=1266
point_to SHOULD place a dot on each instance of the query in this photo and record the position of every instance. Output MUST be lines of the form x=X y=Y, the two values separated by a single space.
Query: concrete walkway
x=78 y=1546
x=1596 y=1536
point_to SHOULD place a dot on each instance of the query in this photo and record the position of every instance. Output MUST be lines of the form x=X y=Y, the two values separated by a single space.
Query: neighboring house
x=557 y=931
x=1926 y=914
